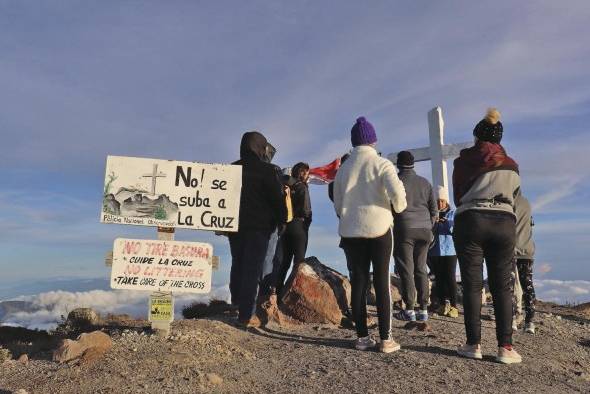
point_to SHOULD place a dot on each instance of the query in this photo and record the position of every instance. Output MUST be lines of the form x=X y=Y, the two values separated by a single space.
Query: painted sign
x=161 y=308
x=165 y=193
x=154 y=265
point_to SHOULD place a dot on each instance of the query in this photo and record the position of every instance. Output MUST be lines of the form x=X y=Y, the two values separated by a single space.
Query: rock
x=83 y=317
x=394 y=291
x=71 y=350
x=270 y=312
x=20 y=391
x=68 y=350
x=214 y=379
x=92 y=355
x=315 y=293
x=5 y=355
x=23 y=359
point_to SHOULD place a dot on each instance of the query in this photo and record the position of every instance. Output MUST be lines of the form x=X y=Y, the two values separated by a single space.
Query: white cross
x=437 y=152
x=154 y=175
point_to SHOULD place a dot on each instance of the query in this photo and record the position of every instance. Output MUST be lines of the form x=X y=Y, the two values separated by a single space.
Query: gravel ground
x=213 y=355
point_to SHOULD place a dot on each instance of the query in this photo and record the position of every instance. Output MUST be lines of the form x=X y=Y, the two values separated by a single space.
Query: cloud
x=557 y=193
x=543 y=268
x=561 y=292
x=48 y=308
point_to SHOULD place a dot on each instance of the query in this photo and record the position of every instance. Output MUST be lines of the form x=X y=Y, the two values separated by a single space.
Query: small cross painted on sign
x=154 y=175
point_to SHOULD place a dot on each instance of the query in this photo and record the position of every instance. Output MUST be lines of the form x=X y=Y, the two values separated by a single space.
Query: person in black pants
x=360 y=252
x=412 y=235
x=485 y=184
x=262 y=210
x=365 y=190
x=294 y=240
x=443 y=257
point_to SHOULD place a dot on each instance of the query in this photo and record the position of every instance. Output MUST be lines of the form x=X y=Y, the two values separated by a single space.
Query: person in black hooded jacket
x=262 y=209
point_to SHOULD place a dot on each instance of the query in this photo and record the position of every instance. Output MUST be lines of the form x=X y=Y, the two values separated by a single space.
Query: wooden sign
x=165 y=193
x=156 y=265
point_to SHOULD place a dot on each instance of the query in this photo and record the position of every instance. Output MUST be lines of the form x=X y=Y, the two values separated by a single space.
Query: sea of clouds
x=45 y=310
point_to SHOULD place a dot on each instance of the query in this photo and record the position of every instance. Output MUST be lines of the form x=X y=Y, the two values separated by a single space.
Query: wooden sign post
x=162 y=327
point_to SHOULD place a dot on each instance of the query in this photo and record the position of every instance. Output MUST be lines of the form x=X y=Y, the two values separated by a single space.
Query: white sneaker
x=529 y=328
x=364 y=343
x=470 y=351
x=506 y=356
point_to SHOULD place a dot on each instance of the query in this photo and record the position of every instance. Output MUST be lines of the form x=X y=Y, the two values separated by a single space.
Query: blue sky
x=184 y=79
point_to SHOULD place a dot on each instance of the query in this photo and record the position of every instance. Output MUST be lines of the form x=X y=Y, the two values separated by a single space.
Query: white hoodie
x=365 y=189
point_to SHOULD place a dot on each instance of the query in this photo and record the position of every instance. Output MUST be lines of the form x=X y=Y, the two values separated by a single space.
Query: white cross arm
x=423 y=154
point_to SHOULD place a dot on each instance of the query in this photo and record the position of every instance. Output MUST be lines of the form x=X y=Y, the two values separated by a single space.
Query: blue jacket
x=443 y=238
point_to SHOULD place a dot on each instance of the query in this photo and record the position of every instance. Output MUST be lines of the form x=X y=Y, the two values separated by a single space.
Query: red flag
x=325 y=174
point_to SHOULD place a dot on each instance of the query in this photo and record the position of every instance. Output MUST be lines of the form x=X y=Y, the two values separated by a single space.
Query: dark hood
x=255 y=145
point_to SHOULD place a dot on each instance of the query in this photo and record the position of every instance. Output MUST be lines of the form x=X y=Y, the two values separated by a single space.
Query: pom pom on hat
x=362 y=133
x=492 y=116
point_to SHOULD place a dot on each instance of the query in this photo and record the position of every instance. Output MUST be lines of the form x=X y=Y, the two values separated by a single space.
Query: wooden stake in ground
x=163 y=326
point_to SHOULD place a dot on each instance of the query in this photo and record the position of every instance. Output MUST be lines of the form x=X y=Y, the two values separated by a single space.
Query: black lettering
x=186 y=178
x=218 y=184
x=203 y=218
x=188 y=221
x=229 y=222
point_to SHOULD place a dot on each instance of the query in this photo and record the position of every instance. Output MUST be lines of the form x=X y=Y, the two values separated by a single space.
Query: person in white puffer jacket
x=366 y=189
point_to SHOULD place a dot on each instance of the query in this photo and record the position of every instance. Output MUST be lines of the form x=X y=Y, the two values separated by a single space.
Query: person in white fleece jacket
x=366 y=189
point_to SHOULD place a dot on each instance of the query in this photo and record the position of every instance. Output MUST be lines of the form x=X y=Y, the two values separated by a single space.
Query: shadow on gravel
x=274 y=334
x=444 y=352
x=584 y=342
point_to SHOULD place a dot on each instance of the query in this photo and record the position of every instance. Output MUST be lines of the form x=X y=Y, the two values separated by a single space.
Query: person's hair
x=298 y=169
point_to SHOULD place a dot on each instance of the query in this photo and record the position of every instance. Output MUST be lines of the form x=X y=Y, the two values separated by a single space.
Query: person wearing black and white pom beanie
x=485 y=184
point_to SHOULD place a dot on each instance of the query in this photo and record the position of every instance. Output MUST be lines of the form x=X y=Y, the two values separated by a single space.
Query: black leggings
x=525 y=276
x=445 y=268
x=488 y=235
x=294 y=244
x=360 y=253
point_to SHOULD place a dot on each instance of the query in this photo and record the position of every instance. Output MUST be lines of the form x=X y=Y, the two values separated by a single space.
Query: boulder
x=395 y=293
x=23 y=359
x=315 y=293
x=83 y=317
x=96 y=343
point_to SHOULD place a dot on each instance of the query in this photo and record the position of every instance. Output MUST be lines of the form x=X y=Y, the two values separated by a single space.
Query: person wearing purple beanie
x=365 y=190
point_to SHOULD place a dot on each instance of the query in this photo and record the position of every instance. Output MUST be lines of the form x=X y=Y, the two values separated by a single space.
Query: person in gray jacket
x=412 y=236
x=485 y=183
x=525 y=252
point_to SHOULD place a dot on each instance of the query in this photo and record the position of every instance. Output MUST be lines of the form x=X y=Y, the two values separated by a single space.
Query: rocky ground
x=213 y=355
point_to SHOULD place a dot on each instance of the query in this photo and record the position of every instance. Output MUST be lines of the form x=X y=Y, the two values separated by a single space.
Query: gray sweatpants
x=410 y=252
